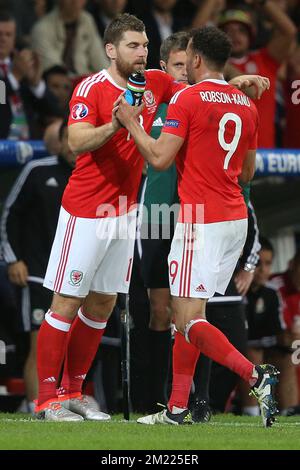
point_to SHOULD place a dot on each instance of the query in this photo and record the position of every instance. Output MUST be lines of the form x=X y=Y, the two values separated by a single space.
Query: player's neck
x=117 y=78
x=210 y=76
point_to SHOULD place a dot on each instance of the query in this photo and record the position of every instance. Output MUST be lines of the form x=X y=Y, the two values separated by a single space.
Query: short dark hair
x=6 y=16
x=266 y=244
x=213 y=45
x=175 y=42
x=55 y=70
x=125 y=22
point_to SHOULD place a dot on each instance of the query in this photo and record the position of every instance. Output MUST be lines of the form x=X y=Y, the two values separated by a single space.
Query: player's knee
x=100 y=308
x=102 y=312
x=66 y=307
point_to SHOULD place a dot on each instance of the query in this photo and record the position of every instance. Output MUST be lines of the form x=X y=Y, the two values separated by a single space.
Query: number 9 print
x=173 y=271
x=229 y=147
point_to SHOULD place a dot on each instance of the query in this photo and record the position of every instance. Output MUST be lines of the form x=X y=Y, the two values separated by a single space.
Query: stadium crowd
x=46 y=49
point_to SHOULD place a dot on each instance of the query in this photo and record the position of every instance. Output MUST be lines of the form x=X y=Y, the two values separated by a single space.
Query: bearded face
x=130 y=54
x=126 y=68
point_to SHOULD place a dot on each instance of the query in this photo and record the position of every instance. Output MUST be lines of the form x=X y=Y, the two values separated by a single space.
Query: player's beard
x=125 y=69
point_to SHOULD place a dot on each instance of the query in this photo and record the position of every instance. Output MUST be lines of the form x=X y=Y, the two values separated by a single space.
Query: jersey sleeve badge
x=79 y=111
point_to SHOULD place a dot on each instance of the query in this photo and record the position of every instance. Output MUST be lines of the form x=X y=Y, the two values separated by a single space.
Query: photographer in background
x=60 y=84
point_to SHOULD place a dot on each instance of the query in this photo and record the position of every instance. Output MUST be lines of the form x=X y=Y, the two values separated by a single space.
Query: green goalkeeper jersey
x=161 y=185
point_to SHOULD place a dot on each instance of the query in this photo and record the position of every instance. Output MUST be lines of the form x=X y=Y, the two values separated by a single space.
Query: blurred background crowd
x=59 y=42
x=46 y=48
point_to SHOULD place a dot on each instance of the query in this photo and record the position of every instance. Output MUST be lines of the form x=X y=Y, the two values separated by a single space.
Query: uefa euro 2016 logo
x=79 y=111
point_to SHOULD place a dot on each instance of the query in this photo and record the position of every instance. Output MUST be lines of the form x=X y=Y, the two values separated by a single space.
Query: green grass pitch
x=18 y=431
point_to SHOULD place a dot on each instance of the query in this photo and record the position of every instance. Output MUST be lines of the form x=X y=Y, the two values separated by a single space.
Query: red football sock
x=214 y=344
x=185 y=357
x=83 y=341
x=51 y=346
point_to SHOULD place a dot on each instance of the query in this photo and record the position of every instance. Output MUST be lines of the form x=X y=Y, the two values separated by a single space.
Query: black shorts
x=34 y=302
x=154 y=262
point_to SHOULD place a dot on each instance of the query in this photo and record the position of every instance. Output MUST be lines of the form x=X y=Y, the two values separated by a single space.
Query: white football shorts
x=203 y=257
x=91 y=255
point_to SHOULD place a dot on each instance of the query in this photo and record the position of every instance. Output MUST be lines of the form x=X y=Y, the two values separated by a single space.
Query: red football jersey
x=260 y=62
x=219 y=124
x=114 y=170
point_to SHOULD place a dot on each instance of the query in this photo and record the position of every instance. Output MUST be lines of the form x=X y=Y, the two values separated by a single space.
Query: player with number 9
x=211 y=129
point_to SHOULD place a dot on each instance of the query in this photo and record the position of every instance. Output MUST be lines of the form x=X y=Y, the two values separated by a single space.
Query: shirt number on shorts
x=173 y=271
x=229 y=147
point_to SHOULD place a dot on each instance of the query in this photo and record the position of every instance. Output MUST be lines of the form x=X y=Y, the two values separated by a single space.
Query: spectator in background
x=160 y=23
x=59 y=83
x=266 y=61
x=27 y=12
x=288 y=284
x=68 y=36
x=104 y=11
x=265 y=321
x=28 y=100
x=208 y=12
x=31 y=209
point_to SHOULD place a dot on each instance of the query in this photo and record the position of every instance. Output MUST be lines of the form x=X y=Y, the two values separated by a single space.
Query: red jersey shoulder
x=162 y=82
x=89 y=86
x=156 y=80
x=156 y=76
x=184 y=96
x=85 y=97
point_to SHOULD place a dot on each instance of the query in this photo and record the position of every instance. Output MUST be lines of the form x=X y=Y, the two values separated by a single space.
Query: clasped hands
x=123 y=113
